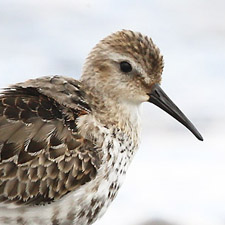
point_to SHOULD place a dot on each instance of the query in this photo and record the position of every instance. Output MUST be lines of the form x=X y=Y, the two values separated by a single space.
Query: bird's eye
x=125 y=67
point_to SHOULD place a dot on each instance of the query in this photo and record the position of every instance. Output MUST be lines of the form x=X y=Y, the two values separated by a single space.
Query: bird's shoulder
x=42 y=154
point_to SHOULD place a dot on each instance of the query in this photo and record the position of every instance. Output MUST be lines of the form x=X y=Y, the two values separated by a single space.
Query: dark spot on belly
x=81 y=214
x=20 y=221
x=54 y=219
x=71 y=215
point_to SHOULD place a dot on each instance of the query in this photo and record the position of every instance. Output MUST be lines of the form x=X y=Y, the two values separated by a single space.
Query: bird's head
x=126 y=67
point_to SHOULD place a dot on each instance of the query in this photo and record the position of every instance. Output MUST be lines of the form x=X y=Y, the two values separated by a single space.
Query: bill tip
x=200 y=138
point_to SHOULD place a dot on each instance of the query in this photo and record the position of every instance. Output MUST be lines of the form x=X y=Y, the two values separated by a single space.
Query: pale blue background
x=174 y=177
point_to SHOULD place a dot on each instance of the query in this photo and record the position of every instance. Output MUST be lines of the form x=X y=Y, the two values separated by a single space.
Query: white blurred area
x=174 y=177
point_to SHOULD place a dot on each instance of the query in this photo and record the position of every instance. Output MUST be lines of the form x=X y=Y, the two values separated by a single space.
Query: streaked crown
x=133 y=48
x=140 y=47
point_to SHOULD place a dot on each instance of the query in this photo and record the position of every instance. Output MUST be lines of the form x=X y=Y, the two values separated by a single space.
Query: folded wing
x=42 y=155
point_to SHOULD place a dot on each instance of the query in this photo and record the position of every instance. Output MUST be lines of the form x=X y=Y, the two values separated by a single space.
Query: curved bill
x=158 y=97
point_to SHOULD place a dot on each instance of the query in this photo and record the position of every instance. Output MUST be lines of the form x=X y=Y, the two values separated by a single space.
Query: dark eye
x=125 y=67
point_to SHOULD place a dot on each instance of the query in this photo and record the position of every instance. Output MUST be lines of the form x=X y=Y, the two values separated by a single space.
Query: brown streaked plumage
x=65 y=145
x=43 y=157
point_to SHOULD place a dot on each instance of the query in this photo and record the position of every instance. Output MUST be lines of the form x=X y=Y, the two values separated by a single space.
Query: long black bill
x=158 y=97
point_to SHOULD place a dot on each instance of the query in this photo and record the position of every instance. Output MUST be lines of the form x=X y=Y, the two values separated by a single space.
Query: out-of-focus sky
x=173 y=177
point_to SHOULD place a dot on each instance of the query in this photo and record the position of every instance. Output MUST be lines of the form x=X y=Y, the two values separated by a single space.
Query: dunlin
x=65 y=145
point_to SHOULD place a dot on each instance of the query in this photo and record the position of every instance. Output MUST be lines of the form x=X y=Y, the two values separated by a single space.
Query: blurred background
x=174 y=179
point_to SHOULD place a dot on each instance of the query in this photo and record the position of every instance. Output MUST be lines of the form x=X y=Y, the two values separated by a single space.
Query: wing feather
x=42 y=155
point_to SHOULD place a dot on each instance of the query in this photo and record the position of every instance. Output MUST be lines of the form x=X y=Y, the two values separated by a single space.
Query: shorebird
x=65 y=145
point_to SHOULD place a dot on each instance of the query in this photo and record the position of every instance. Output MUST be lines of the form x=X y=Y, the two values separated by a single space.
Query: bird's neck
x=112 y=111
